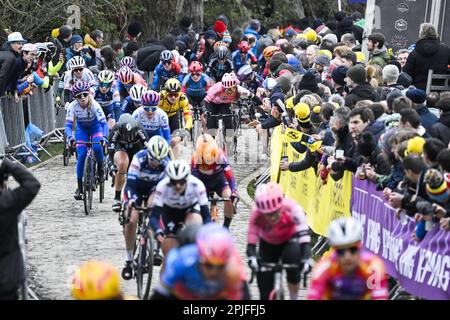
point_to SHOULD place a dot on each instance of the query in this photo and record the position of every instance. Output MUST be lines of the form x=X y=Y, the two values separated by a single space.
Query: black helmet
x=188 y=235
x=222 y=52
x=128 y=127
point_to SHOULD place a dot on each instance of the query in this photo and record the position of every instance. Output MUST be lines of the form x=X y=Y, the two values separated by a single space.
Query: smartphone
x=339 y=154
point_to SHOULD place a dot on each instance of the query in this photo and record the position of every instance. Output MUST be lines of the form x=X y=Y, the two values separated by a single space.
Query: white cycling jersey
x=158 y=121
x=86 y=117
x=195 y=193
x=86 y=76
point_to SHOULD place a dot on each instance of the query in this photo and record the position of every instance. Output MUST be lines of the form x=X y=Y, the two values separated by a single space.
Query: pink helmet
x=150 y=98
x=229 y=80
x=125 y=75
x=269 y=197
x=215 y=244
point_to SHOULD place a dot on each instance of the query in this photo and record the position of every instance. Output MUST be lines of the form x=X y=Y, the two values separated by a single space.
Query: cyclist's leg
x=225 y=109
x=121 y=161
x=129 y=232
x=174 y=126
x=291 y=255
x=81 y=135
x=212 y=122
x=223 y=189
x=269 y=253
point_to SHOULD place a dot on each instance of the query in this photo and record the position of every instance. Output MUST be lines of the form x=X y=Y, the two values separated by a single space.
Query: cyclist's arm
x=158 y=204
x=156 y=77
x=143 y=136
x=165 y=128
x=228 y=172
x=54 y=69
x=132 y=182
x=70 y=118
x=67 y=86
x=319 y=281
x=203 y=202
x=213 y=92
x=102 y=120
x=124 y=108
x=113 y=135
x=253 y=229
x=242 y=92
x=184 y=104
x=184 y=83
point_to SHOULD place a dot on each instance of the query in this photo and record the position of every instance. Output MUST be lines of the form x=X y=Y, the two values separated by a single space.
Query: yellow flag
x=292 y=135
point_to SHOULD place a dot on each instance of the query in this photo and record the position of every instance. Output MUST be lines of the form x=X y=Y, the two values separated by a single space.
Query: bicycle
x=277 y=292
x=91 y=179
x=214 y=209
x=197 y=127
x=221 y=132
x=68 y=151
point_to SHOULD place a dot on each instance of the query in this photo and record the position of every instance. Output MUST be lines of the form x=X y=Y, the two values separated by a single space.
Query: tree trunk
x=194 y=10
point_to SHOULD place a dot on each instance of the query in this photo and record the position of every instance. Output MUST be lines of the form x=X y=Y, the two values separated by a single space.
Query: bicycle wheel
x=196 y=131
x=87 y=186
x=144 y=266
x=214 y=213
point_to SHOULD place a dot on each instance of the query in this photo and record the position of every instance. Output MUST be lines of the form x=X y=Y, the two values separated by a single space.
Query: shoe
x=157 y=259
x=117 y=205
x=127 y=271
x=78 y=195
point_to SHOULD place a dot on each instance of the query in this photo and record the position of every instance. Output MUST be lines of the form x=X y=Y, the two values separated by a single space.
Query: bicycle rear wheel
x=87 y=186
x=144 y=266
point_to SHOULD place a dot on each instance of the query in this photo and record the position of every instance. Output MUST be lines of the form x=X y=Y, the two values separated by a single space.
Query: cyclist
x=91 y=122
x=77 y=71
x=196 y=84
x=126 y=138
x=106 y=96
x=133 y=101
x=97 y=280
x=279 y=225
x=268 y=54
x=243 y=56
x=348 y=272
x=146 y=170
x=211 y=166
x=249 y=79
x=209 y=269
x=165 y=70
x=172 y=101
x=130 y=62
x=219 y=64
x=180 y=198
x=126 y=79
x=151 y=117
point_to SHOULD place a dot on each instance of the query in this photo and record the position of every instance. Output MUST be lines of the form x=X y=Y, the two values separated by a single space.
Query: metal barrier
x=13 y=120
x=42 y=112
x=3 y=140
x=443 y=79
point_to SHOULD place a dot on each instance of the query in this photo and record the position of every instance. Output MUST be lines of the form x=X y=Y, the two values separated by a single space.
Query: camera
x=425 y=207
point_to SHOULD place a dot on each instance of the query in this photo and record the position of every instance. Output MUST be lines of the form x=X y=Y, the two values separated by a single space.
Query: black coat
x=428 y=54
x=7 y=68
x=361 y=92
x=148 y=58
x=12 y=202
x=441 y=130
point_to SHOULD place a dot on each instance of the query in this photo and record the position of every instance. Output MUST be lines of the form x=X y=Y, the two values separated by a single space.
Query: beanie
x=210 y=34
x=322 y=60
x=274 y=64
x=417 y=96
x=220 y=27
x=331 y=37
x=358 y=74
x=226 y=37
x=326 y=53
x=360 y=57
x=415 y=145
x=285 y=82
x=390 y=73
x=308 y=82
x=338 y=75
x=311 y=35
x=435 y=186
x=134 y=29
x=302 y=112
x=76 y=38
x=315 y=116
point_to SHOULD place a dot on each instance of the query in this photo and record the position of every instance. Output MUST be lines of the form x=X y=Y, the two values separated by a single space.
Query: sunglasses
x=81 y=95
x=166 y=63
x=243 y=52
x=172 y=95
x=150 y=108
x=105 y=84
x=78 y=70
x=341 y=252
x=197 y=74
x=178 y=182
x=209 y=266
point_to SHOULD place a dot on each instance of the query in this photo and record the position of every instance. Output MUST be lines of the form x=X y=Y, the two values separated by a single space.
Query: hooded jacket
x=361 y=92
x=428 y=54
x=441 y=130
x=380 y=57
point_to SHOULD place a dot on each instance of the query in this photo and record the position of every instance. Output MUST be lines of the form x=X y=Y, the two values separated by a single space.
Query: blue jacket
x=426 y=117
x=257 y=35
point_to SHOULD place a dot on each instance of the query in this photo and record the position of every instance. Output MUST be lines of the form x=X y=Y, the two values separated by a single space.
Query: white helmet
x=178 y=170
x=344 y=231
x=136 y=92
x=76 y=62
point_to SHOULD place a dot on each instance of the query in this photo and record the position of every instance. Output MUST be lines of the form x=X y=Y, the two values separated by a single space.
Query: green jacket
x=380 y=57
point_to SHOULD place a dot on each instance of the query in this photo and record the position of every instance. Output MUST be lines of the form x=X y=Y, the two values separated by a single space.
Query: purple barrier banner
x=422 y=268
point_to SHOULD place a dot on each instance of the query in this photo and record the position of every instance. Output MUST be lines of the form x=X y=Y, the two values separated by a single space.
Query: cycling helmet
x=125 y=75
x=207 y=149
x=128 y=127
x=344 y=231
x=42 y=48
x=178 y=170
x=106 y=76
x=243 y=46
x=270 y=51
x=157 y=148
x=51 y=47
x=244 y=72
x=80 y=87
x=218 y=44
x=136 y=92
x=172 y=85
x=269 y=197
x=76 y=63
x=189 y=234
x=195 y=67
x=229 y=80
x=166 y=56
x=128 y=62
x=95 y=280
x=150 y=98
x=222 y=52
x=215 y=244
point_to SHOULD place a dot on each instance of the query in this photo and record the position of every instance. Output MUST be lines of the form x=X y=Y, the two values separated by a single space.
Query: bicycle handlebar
x=219 y=199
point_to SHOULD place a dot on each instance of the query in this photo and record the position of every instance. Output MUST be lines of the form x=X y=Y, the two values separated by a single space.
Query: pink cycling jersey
x=292 y=222
x=217 y=94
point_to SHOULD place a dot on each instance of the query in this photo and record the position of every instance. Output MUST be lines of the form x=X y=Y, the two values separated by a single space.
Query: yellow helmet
x=302 y=112
x=301 y=36
x=311 y=35
x=172 y=85
x=360 y=57
x=207 y=149
x=96 y=280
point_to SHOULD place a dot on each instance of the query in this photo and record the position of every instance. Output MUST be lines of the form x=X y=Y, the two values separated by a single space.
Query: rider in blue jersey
x=166 y=69
x=243 y=56
x=126 y=79
x=133 y=101
x=196 y=84
x=91 y=122
x=107 y=97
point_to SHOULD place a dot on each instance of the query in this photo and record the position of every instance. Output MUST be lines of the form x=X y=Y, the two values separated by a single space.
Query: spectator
x=441 y=129
x=183 y=26
x=311 y=54
x=402 y=57
x=390 y=78
x=76 y=49
x=133 y=33
x=362 y=120
x=10 y=52
x=349 y=58
x=444 y=160
x=338 y=76
x=418 y=98
x=432 y=99
x=12 y=202
x=379 y=54
x=94 y=40
x=349 y=40
x=374 y=162
x=431 y=150
x=344 y=24
x=429 y=53
x=360 y=89
x=409 y=118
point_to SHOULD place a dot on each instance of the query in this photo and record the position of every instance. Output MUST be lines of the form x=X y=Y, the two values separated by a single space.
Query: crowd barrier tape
x=421 y=268
x=322 y=203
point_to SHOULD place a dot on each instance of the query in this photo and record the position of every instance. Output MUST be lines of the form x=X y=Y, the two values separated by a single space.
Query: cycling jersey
x=158 y=124
x=205 y=172
x=116 y=141
x=239 y=63
x=124 y=88
x=368 y=282
x=109 y=101
x=292 y=223
x=128 y=106
x=216 y=70
x=142 y=179
x=183 y=279
x=196 y=90
x=161 y=75
x=86 y=76
x=218 y=95
x=171 y=109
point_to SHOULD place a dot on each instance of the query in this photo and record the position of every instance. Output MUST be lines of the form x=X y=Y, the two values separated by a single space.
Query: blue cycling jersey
x=128 y=106
x=161 y=75
x=109 y=101
x=238 y=62
x=196 y=90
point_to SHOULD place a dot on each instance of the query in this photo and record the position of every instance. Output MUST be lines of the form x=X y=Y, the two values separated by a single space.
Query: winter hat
x=269 y=83
x=308 y=82
x=210 y=34
x=390 y=73
x=326 y=53
x=392 y=96
x=323 y=30
x=274 y=64
x=331 y=37
x=220 y=27
x=417 y=96
x=322 y=60
x=311 y=35
x=435 y=186
x=285 y=82
x=358 y=74
x=302 y=112
x=315 y=116
x=226 y=37
x=289 y=32
x=415 y=145
x=360 y=57
x=134 y=29
x=76 y=38
x=404 y=79
x=339 y=74
x=255 y=24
